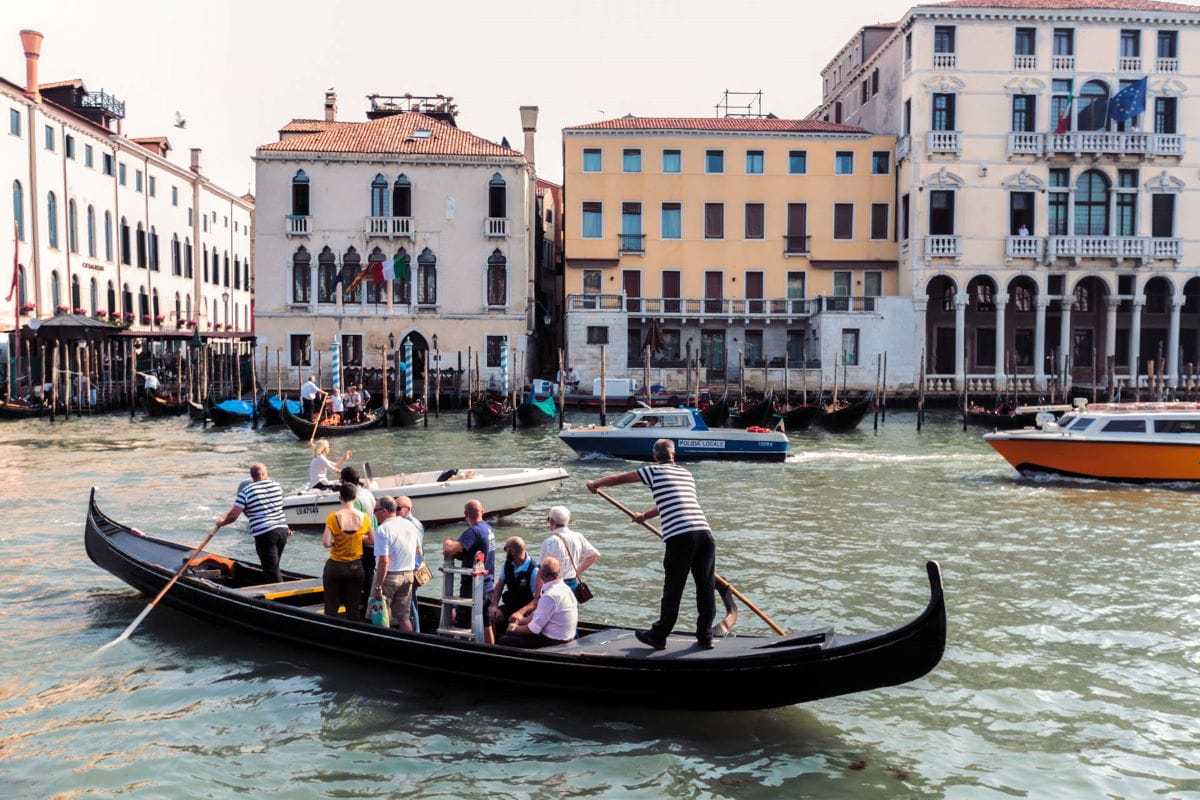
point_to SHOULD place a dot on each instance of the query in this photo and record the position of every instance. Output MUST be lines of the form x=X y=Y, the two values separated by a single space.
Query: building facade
x=756 y=241
x=451 y=211
x=1042 y=219
x=106 y=225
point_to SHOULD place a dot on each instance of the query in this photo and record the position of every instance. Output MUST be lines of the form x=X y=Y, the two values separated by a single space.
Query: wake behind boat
x=634 y=434
x=606 y=664
x=438 y=497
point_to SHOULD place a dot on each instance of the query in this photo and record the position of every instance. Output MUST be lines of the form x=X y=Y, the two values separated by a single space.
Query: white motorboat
x=438 y=497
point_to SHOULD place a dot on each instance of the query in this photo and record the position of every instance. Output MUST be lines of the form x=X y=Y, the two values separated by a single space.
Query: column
x=1135 y=338
x=1064 y=339
x=1110 y=337
x=920 y=337
x=1001 y=345
x=1039 y=341
x=960 y=339
x=1173 y=342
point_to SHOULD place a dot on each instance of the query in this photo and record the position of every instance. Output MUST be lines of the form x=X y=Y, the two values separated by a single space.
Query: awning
x=854 y=264
x=592 y=263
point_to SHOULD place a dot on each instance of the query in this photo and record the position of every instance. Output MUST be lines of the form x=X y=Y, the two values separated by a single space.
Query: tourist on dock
x=404 y=509
x=346 y=531
x=688 y=539
x=571 y=548
x=308 y=397
x=555 y=618
x=397 y=545
x=477 y=538
x=365 y=502
x=514 y=586
x=320 y=464
x=261 y=500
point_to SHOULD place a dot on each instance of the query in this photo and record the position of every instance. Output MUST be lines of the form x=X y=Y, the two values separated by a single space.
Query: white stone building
x=406 y=186
x=106 y=225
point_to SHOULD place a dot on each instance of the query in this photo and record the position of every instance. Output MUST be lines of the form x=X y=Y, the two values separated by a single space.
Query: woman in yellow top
x=345 y=531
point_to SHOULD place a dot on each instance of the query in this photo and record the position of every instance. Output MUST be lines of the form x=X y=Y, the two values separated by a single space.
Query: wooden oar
x=317 y=424
x=721 y=582
x=138 y=619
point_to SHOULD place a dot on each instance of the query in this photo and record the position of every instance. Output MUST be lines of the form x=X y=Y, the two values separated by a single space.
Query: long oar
x=721 y=582
x=138 y=619
x=317 y=423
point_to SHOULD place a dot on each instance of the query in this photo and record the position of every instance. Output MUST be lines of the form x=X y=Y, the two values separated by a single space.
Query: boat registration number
x=710 y=444
x=304 y=511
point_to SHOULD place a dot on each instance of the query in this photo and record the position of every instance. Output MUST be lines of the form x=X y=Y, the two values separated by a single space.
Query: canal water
x=1070 y=669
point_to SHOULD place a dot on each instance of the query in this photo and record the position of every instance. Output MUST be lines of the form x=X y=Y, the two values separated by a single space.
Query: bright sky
x=238 y=71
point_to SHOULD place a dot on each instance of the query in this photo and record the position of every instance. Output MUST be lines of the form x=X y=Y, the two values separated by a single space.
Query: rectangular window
x=1162 y=215
x=631 y=160
x=796 y=238
x=88 y=155
x=1023 y=113
x=631 y=285
x=985 y=347
x=49 y=138
x=837 y=111
x=908 y=117
x=941 y=213
x=714 y=162
x=1082 y=347
x=881 y=162
x=671 y=283
x=597 y=334
x=795 y=347
x=154 y=187
x=843 y=220
x=943 y=112
x=797 y=162
x=672 y=161
x=1020 y=213
x=1064 y=42
x=121 y=173
x=904 y=233
x=873 y=283
x=591 y=159
x=495 y=345
x=796 y=292
x=875 y=82
x=672 y=221
x=843 y=163
x=1131 y=44
x=1164 y=115
x=14 y=122
x=908 y=46
x=593 y=220
x=137 y=180
x=943 y=39
x=754 y=348
x=1057 y=208
x=879 y=220
x=754 y=221
x=1168 y=44
x=754 y=162
x=631 y=228
x=841 y=287
x=108 y=165
x=865 y=93
x=1025 y=42
x=69 y=146
x=592 y=281
x=850 y=346
x=174 y=195
x=301 y=349
x=714 y=291
x=714 y=220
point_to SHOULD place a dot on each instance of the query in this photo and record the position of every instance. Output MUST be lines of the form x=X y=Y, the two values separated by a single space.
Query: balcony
x=631 y=243
x=943 y=142
x=1062 y=63
x=1023 y=247
x=903 y=148
x=945 y=61
x=1117 y=248
x=942 y=246
x=389 y=227
x=700 y=308
x=1024 y=63
x=1116 y=144
x=1129 y=64
x=1166 y=65
x=296 y=225
x=795 y=244
x=1021 y=143
x=495 y=227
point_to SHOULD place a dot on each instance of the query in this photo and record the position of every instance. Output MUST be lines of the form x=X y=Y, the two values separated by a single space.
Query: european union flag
x=1128 y=103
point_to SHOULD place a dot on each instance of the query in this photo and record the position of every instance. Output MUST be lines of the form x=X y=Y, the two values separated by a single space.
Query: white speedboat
x=438 y=497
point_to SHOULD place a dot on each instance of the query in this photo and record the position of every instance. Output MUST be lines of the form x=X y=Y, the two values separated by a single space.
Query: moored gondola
x=755 y=415
x=1003 y=417
x=534 y=412
x=605 y=665
x=489 y=413
x=270 y=408
x=715 y=413
x=800 y=417
x=196 y=411
x=407 y=415
x=14 y=410
x=304 y=429
x=845 y=415
x=231 y=412
x=159 y=406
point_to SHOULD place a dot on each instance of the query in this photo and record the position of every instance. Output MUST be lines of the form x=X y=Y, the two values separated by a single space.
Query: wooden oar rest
x=818 y=637
x=278 y=591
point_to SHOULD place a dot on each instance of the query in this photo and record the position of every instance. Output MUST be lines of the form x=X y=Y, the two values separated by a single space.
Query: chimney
x=330 y=105
x=529 y=115
x=196 y=160
x=32 y=42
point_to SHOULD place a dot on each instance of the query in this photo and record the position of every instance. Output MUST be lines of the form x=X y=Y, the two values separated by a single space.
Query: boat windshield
x=1081 y=424
x=625 y=421
x=1126 y=426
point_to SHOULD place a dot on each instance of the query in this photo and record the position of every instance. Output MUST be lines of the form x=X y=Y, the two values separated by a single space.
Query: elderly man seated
x=554 y=619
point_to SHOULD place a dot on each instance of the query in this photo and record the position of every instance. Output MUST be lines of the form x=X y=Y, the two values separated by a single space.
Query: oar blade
x=722 y=628
x=125 y=634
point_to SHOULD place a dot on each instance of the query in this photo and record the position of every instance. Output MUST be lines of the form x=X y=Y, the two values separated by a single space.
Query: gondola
x=799 y=418
x=716 y=412
x=14 y=410
x=159 y=406
x=407 y=415
x=605 y=665
x=757 y=415
x=304 y=429
x=1003 y=417
x=489 y=413
x=270 y=408
x=231 y=412
x=534 y=412
x=844 y=416
x=196 y=411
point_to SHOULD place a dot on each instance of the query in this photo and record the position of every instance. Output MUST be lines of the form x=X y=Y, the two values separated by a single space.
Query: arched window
x=427 y=278
x=497 y=279
x=379 y=197
x=178 y=307
x=154 y=308
x=94 y=297
x=111 y=297
x=246 y=274
x=402 y=197
x=237 y=272
x=72 y=226
x=19 y=209
x=143 y=305
x=402 y=283
x=1091 y=204
x=216 y=315
x=1092 y=107
x=246 y=318
x=141 y=246
x=376 y=289
x=233 y=319
x=176 y=256
x=300 y=194
x=154 y=260
x=216 y=268
x=91 y=232
x=497 y=197
x=301 y=276
x=76 y=294
x=108 y=236
x=326 y=275
x=205 y=262
x=22 y=294
x=126 y=302
x=125 y=244
x=55 y=291
x=225 y=280
x=351 y=264
x=187 y=258
x=187 y=306
x=52 y=219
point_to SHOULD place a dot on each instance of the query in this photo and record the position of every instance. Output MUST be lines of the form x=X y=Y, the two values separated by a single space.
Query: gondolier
x=308 y=397
x=689 y=542
x=261 y=500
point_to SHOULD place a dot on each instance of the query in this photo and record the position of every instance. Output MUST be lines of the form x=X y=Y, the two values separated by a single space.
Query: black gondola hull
x=407 y=415
x=845 y=418
x=303 y=429
x=800 y=418
x=486 y=415
x=221 y=416
x=530 y=415
x=18 y=411
x=758 y=415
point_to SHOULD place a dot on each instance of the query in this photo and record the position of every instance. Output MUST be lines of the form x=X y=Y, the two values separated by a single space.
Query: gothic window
x=497 y=279
x=427 y=278
x=497 y=197
x=300 y=194
x=402 y=197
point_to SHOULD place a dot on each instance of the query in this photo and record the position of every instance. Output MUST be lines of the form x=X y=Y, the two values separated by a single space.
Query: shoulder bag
x=582 y=592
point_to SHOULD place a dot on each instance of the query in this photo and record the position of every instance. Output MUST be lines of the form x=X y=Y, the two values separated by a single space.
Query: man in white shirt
x=308 y=397
x=570 y=548
x=404 y=510
x=397 y=544
x=554 y=620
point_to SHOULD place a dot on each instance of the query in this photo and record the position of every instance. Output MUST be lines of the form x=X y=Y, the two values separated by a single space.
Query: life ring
x=757 y=429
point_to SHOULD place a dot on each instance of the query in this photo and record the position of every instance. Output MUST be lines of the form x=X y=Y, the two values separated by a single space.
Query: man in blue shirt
x=477 y=538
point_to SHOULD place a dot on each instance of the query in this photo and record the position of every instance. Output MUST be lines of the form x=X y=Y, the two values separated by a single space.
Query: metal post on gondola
x=603 y=387
x=921 y=392
x=878 y=370
x=437 y=398
x=425 y=391
x=883 y=390
x=470 y=390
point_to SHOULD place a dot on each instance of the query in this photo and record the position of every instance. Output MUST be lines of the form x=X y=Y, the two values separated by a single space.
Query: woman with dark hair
x=345 y=532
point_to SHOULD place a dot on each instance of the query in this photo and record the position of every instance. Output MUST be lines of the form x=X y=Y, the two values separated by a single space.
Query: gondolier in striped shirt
x=261 y=500
x=688 y=538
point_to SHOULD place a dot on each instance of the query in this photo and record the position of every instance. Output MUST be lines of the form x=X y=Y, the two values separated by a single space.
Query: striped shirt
x=675 y=496
x=262 y=502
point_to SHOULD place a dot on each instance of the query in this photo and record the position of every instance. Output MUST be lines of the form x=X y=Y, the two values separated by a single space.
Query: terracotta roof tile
x=310 y=126
x=718 y=124
x=1075 y=5
x=73 y=82
x=392 y=134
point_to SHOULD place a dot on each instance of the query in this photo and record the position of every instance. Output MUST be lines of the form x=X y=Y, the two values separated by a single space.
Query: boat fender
x=447 y=475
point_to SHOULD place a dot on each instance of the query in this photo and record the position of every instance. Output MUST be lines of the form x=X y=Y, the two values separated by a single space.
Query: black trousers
x=368 y=567
x=270 y=549
x=694 y=553
x=343 y=581
x=527 y=641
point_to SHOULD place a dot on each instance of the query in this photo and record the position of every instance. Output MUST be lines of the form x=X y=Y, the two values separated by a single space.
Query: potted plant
x=27 y=308
x=81 y=311
x=60 y=309
x=159 y=318
x=101 y=314
x=129 y=316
